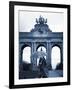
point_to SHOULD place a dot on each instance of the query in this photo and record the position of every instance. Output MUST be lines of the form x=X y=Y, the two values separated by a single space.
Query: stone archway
x=41 y=48
x=40 y=35
x=55 y=56
x=21 y=48
x=26 y=56
x=60 y=46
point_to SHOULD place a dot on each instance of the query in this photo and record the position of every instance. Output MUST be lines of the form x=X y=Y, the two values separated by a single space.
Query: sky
x=27 y=20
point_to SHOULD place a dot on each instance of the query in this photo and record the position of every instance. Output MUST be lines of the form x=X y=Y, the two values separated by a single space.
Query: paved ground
x=28 y=74
x=53 y=73
x=47 y=73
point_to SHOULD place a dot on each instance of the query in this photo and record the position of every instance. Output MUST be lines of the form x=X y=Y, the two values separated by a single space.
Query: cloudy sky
x=27 y=20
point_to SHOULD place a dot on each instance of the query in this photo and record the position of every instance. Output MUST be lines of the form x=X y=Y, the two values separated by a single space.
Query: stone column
x=48 y=55
x=20 y=54
x=33 y=59
x=62 y=54
x=61 y=63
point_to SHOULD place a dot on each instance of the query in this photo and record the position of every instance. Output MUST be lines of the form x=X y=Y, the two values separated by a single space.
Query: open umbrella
x=39 y=54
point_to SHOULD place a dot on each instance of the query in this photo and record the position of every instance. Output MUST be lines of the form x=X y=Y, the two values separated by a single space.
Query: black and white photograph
x=40 y=48
x=39 y=44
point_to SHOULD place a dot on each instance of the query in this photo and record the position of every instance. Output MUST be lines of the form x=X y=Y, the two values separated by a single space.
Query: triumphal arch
x=41 y=35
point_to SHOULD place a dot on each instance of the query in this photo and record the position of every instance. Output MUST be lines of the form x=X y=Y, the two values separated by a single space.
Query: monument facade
x=41 y=35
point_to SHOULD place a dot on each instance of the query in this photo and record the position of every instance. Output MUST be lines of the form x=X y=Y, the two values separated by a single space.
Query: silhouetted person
x=42 y=64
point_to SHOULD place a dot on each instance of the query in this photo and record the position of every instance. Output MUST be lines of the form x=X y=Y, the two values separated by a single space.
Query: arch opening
x=55 y=56
x=39 y=49
x=26 y=56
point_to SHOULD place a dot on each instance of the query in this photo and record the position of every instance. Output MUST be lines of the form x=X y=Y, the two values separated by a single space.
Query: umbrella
x=39 y=54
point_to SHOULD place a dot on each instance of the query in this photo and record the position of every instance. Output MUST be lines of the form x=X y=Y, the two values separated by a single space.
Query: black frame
x=11 y=43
